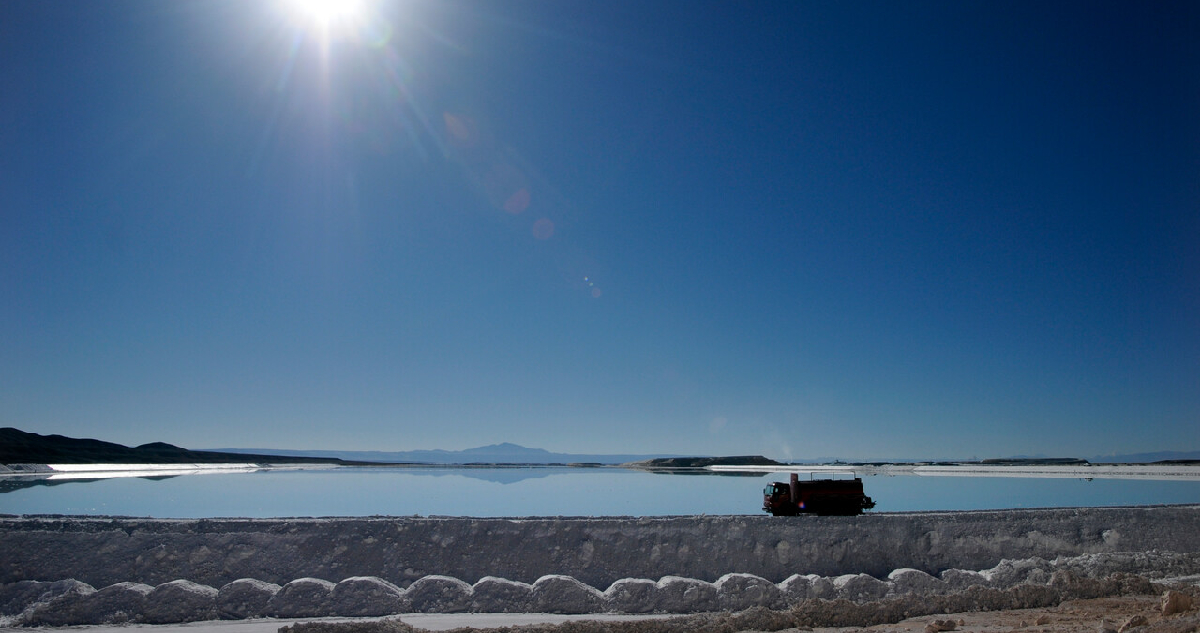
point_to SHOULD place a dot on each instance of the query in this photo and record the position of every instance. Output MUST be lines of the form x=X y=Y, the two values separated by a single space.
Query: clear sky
x=799 y=229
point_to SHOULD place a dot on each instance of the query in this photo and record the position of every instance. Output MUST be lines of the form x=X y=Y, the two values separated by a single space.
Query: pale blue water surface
x=538 y=491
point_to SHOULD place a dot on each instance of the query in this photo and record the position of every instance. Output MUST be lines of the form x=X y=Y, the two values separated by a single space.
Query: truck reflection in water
x=817 y=496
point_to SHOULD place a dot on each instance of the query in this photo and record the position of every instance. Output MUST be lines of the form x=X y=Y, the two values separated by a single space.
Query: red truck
x=816 y=496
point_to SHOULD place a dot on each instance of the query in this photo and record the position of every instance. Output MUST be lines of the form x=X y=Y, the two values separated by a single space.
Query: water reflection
x=21 y=482
x=12 y=484
x=494 y=475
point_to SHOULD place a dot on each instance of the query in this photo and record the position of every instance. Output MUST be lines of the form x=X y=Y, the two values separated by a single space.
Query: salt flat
x=1164 y=472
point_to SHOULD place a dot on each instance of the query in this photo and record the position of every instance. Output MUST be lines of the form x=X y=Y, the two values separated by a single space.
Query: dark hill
x=19 y=447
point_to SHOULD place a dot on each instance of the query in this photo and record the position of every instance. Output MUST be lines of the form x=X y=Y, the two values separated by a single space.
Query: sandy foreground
x=1098 y=615
x=426 y=621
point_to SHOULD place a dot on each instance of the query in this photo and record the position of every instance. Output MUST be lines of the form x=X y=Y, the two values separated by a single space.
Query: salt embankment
x=147 y=570
x=597 y=551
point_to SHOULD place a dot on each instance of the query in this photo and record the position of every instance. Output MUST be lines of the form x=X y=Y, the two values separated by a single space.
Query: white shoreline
x=1162 y=472
x=105 y=471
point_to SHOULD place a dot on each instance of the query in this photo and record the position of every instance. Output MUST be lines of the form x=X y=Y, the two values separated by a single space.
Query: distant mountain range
x=505 y=453
x=19 y=447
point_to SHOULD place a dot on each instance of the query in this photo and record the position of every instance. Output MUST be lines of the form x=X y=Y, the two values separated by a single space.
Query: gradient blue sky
x=797 y=229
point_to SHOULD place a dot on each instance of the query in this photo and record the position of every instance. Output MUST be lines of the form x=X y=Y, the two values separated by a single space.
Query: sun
x=327 y=14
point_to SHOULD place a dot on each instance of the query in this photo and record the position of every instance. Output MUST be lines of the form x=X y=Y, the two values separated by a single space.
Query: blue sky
x=797 y=229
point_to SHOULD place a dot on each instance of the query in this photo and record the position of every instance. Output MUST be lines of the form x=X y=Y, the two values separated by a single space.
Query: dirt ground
x=1076 y=616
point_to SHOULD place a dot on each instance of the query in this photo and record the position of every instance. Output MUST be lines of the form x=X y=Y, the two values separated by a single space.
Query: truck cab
x=777 y=499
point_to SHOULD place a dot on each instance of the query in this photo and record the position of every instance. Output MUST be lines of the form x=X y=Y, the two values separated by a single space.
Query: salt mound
x=1012 y=584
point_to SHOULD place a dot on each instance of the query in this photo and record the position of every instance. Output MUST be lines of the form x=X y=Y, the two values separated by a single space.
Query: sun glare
x=328 y=13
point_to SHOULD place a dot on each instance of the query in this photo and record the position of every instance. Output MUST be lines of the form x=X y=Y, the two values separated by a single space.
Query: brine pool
x=537 y=491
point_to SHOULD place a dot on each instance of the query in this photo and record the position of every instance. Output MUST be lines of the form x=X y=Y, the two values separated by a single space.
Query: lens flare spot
x=503 y=184
x=543 y=229
x=517 y=202
x=596 y=293
x=458 y=129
